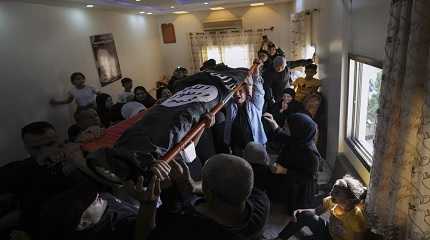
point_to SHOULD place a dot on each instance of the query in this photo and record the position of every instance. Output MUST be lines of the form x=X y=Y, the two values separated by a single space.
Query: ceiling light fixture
x=138 y=0
x=149 y=13
x=216 y=8
x=142 y=12
x=180 y=12
x=172 y=7
x=256 y=4
x=206 y=3
x=89 y=6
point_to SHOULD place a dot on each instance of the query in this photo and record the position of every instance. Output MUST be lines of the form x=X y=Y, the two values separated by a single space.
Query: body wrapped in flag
x=163 y=126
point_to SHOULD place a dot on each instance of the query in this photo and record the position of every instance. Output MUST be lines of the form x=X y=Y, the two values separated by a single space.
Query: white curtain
x=301 y=40
x=234 y=48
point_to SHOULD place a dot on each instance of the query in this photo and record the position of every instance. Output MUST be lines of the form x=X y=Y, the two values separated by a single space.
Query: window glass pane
x=233 y=55
x=214 y=53
x=365 y=86
x=371 y=86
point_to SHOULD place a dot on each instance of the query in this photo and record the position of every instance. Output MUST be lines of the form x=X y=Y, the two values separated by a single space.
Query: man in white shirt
x=127 y=95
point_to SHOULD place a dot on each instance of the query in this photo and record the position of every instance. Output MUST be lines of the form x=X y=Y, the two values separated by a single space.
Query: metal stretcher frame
x=200 y=126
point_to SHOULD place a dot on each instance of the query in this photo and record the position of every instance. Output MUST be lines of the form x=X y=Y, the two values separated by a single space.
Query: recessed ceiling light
x=142 y=12
x=137 y=0
x=216 y=8
x=89 y=6
x=206 y=3
x=256 y=4
x=180 y=12
x=149 y=13
x=172 y=7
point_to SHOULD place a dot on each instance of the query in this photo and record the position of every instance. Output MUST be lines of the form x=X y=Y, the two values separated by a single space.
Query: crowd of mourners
x=260 y=149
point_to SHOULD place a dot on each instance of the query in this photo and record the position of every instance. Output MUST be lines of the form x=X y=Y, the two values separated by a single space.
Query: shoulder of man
x=190 y=226
x=260 y=204
x=28 y=162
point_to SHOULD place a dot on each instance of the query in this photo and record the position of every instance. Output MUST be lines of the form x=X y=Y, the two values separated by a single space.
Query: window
x=365 y=77
x=232 y=55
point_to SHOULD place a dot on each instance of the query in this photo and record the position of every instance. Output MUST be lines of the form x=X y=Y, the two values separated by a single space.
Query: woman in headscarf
x=104 y=108
x=142 y=96
x=298 y=160
x=287 y=106
x=163 y=93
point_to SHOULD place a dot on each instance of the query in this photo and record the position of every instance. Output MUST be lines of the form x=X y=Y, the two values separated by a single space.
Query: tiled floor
x=276 y=222
x=278 y=219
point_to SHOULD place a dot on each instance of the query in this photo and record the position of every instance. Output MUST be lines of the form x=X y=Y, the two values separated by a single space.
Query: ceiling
x=154 y=6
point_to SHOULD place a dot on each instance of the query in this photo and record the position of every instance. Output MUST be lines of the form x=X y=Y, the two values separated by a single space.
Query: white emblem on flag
x=196 y=93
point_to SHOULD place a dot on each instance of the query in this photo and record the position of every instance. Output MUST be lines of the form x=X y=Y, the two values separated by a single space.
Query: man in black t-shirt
x=230 y=209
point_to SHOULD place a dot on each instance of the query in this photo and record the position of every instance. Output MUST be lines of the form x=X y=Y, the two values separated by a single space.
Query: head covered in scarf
x=303 y=129
x=101 y=101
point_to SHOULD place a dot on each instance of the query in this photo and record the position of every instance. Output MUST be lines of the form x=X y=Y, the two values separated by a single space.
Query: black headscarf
x=303 y=130
x=148 y=101
x=104 y=113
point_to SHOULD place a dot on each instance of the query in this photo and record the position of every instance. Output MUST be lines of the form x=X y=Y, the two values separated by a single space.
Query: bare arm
x=145 y=221
x=299 y=63
x=68 y=100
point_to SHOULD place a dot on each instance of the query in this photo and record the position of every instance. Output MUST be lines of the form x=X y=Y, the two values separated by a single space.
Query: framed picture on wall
x=106 y=58
x=168 y=30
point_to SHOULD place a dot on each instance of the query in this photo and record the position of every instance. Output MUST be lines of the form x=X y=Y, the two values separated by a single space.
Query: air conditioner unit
x=222 y=25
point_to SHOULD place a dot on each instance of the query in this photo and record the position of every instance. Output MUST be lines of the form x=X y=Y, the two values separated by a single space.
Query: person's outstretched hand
x=209 y=119
x=181 y=176
x=269 y=118
x=150 y=194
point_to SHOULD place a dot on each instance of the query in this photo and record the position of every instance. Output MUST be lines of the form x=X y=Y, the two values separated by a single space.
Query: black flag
x=166 y=124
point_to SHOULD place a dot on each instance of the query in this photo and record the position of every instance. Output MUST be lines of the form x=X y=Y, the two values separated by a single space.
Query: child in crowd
x=127 y=95
x=84 y=95
x=347 y=218
x=308 y=85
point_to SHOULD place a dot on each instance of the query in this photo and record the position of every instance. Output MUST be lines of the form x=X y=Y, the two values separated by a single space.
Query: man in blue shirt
x=243 y=122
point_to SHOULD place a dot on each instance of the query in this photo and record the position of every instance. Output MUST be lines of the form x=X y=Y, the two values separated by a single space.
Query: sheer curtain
x=301 y=40
x=234 y=48
x=398 y=202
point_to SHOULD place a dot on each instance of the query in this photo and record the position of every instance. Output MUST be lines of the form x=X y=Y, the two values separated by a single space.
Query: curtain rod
x=235 y=30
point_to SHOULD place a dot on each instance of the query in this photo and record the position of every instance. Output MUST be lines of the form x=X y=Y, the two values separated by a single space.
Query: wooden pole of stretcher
x=200 y=126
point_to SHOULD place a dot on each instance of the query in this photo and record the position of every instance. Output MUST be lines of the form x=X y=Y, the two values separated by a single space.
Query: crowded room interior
x=215 y=119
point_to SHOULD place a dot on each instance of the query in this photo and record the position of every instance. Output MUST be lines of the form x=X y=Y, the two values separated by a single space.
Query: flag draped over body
x=164 y=125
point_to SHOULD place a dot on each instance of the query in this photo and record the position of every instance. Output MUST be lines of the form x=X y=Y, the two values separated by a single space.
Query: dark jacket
x=301 y=158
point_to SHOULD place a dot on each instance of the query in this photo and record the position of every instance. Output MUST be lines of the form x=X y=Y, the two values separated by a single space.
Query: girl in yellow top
x=347 y=218
x=307 y=86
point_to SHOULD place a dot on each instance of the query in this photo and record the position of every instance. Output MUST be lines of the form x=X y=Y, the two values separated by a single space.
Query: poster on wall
x=107 y=62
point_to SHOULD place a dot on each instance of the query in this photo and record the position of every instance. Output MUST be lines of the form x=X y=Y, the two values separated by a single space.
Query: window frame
x=353 y=103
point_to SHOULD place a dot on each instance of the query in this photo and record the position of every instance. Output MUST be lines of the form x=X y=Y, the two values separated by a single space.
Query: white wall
x=41 y=46
x=342 y=28
x=179 y=53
